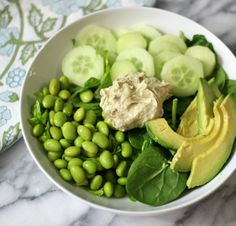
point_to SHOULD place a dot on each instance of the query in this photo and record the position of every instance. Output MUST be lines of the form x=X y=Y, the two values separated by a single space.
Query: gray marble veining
x=28 y=198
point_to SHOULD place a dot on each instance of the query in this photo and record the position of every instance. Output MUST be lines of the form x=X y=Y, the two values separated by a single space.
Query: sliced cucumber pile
x=138 y=48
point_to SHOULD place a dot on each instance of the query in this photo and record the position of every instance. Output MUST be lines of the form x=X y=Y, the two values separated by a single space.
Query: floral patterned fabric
x=24 y=26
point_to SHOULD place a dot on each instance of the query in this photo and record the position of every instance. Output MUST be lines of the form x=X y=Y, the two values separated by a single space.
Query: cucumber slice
x=147 y=31
x=121 y=31
x=82 y=63
x=182 y=73
x=157 y=46
x=205 y=55
x=130 y=40
x=161 y=59
x=121 y=68
x=142 y=60
x=99 y=37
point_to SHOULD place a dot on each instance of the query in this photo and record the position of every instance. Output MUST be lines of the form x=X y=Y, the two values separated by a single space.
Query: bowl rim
x=109 y=209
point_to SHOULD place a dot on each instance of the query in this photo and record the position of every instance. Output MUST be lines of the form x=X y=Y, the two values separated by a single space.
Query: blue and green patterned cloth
x=24 y=26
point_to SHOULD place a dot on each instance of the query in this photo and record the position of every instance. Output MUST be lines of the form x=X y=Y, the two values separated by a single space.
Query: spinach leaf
x=150 y=179
x=230 y=88
x=174 y=112
x=219 y=77
x=90 y=106
x=136 y=137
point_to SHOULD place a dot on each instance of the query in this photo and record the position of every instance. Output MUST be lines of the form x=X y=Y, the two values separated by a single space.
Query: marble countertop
x=28 y=198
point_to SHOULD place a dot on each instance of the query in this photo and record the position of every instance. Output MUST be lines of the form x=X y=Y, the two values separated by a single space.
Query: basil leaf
x=150 y=179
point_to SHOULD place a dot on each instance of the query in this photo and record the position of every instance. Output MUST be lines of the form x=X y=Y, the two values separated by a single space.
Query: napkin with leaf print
x=24 y=26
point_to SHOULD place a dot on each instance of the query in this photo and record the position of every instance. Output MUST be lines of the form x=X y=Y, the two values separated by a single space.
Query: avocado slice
x=207 y=165
x=160 y=131
x=182 y=160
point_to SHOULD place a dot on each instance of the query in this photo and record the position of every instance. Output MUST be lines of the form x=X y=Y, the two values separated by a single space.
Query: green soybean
x=65 y=82
x=68 y=109
x=84 y=132
x=90 y=148
x=119 y=136
x=106 y=159
x=51 y=117
x=52 y=145
x=90 y=126
x=54 y=87
x=96 y=182
x=103 y=127
x=60 y=163
x=59 y=119
x=78 y=141
x=45 y=91
x=108 y=189
x=52 y=156
x=79 y=114
x=69 y=131
x=78 y=174
x=67 y=158
x=121 y=168
x=59 y=104
x=64 y=94
x=76 y=124
x=75 y=162
x=72 y=151
x=115 y=160
x=65 y=143
x=110 y=176
x=48 y=101
x=101 y=140
x=122 y=180
x=90 y=166
x=65 y=174
x=126 y=149
x=55 y=132
x=119 y=191
x=90 y=117
x=86 y=96
x=38 y=130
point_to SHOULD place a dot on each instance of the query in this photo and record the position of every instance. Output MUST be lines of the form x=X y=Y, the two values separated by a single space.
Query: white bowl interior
x=47 y=65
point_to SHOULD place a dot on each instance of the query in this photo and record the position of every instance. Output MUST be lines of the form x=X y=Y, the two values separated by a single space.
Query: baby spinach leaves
x=151 y=181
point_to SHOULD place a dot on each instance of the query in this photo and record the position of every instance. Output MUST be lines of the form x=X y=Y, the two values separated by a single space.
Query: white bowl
x=47 y=65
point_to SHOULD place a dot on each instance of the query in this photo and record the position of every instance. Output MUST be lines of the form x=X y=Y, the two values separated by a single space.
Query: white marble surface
x=28 y=198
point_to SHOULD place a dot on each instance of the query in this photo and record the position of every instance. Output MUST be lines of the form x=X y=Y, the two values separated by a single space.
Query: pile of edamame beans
x=81 y=145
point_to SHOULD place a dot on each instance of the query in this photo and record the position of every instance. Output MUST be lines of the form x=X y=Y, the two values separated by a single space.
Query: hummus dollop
x=133 y=100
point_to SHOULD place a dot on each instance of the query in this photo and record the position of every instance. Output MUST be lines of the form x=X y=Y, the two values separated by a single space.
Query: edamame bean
x=65 y=143
x=122 y=180
x=64 y=94
x=69 y=131
x=115 y=160
x=72 y=151
x=121 y=168
x=78 y=141
x=76 y=124
x=90 y=176
x=52 y=156
x=51 y=117
x=106 y=159
x=110 y=176
x=96 y=182
x=78 y=174
x=100 y=140
x=90 y=166
x=52 y=145
x=90 y=117
x=67 y=158
x=48 y=101
x=59 y=104
x=119 y=191
x=90 y=148
x=54 y=87
x=68 y=109
x=65 y=174
x=108 y=189
x=84 y=132
x=90 y=126
x=75 y=162
x=103 y=128
x=60 y=163
x=64 y=82
x=119 y=136
x=79 y=114
x=126 y=149
x=38 y=130
x=45 y=91
x=86 y=96
x=59 y=119
x=55 y=132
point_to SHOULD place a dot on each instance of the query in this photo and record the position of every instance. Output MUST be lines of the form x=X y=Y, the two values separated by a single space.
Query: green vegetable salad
x=147 y=164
